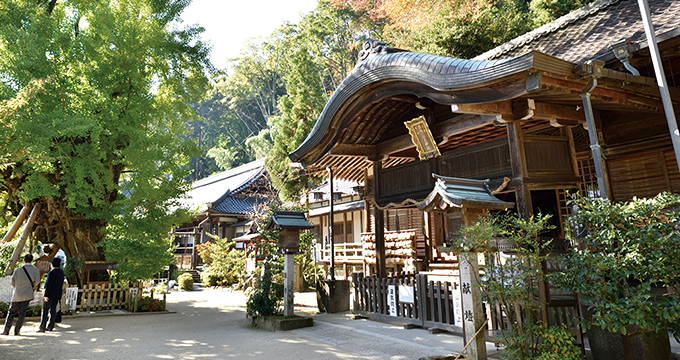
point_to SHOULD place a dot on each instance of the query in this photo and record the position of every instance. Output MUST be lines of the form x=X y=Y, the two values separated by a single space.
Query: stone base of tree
x=605 y=345
x=282 y=323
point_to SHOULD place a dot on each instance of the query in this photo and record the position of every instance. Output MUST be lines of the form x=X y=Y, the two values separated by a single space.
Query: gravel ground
x=211 y=324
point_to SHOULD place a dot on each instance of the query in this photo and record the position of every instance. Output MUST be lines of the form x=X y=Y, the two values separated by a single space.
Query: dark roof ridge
x=548 y=28
x=246 y=184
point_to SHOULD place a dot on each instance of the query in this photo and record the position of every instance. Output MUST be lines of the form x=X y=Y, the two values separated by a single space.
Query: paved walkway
x=211 y=324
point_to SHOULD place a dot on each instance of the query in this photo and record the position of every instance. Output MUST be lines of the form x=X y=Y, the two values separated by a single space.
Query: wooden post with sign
x=473 y=314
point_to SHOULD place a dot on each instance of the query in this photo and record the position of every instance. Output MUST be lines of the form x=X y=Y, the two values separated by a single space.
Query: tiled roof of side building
x=215 y=188
x=585 y=33
x=241 y=205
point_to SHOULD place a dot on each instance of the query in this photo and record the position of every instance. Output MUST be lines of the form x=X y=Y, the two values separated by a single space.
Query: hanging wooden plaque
x=422 y=138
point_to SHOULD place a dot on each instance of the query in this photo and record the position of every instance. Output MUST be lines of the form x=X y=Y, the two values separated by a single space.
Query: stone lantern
x=289 y=224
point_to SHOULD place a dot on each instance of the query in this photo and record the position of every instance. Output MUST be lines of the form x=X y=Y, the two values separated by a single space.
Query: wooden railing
x=347 y=253
x=98 y=297
x=436 y=304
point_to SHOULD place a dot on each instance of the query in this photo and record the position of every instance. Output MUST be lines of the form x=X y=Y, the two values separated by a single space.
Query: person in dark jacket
x=53 y=285
x=24 y=280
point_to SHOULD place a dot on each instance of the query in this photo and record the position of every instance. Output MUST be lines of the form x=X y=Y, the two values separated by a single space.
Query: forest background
x=109 y=110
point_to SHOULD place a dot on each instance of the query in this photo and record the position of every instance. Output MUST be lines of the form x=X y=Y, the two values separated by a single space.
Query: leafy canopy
x=94 y=97
x=628 y=264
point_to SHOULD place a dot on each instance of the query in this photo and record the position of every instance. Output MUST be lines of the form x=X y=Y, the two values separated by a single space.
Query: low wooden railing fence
x=345 y=253
x=438 y=305
x=104 y=296
x=430 y=304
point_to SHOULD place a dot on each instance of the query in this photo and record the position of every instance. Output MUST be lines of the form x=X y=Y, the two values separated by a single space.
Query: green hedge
x=186 y=282
x=31 y=312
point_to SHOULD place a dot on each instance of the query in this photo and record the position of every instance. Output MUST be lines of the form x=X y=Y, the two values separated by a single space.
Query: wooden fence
x=433 y=305
x=438 y=305
x=106 y=296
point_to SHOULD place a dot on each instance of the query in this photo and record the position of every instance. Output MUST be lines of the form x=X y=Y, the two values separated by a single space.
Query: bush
x=209 y=278
x=148 y=304
x=628 y=264
x=557 y=344
x=31 y=312
x=226 y=266
x=186 y=282
x=266 y=298
x=175 y=274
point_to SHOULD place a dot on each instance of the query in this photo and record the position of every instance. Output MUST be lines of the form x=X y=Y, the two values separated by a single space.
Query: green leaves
x=94 y=96
x=630 y=261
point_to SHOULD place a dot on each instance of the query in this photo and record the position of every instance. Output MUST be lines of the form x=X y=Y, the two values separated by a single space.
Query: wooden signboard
x=422 y=138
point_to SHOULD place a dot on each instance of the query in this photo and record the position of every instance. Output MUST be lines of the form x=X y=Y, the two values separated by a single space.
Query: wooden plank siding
x=643 y=174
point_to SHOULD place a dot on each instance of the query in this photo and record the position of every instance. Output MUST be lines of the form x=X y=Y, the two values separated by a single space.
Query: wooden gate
x=436 y=305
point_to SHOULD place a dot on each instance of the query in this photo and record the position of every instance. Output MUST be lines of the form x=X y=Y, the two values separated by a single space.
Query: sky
x=230 y=23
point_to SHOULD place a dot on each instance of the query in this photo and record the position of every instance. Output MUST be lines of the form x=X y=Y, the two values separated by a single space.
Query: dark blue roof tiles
x=240 y=205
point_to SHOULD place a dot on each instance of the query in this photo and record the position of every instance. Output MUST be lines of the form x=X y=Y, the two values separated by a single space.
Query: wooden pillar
x=332 y=220
x=380 y=264
x=197 y=239
x=22 y=240
x=519 y=169
x=428 y=241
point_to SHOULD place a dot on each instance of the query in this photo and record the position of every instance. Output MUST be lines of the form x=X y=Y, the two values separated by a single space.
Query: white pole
x=660 y=77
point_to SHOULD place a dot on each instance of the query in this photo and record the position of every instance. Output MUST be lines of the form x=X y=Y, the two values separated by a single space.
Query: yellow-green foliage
x=186 y=282
x=226 y=265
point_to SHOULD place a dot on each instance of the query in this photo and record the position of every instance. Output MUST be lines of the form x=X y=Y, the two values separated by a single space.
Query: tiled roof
x=456 y=193
x=213 y=191
x=343 y=187
x=289 y=220
x=337 y=208
x=240 y=205
x=585 y=33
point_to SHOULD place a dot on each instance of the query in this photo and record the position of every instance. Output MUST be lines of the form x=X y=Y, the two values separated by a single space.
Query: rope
x=395 y=205
x=471 y=340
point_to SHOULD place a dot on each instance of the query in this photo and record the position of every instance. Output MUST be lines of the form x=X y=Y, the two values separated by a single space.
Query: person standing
x=53 y=285
x=23 y=282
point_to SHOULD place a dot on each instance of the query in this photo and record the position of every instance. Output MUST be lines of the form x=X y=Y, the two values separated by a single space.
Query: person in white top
x=24 y=280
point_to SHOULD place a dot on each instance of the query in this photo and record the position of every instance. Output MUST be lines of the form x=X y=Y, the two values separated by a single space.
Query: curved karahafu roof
x=389 y=82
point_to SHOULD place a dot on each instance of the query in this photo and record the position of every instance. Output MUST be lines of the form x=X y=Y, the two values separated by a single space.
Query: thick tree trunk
x=73 y=233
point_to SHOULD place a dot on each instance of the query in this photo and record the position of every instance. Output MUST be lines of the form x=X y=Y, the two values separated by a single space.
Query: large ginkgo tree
x=93 y=100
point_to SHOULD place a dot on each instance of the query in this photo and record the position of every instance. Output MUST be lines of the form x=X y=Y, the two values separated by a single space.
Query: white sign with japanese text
x=71 y=297
x=133 y=294
x=392 y=299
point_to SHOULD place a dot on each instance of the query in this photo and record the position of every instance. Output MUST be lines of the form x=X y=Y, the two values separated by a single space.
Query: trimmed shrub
x=186 y=282
x=175 y=274
x=4 y=307
x=31 y=312
x=148 y=304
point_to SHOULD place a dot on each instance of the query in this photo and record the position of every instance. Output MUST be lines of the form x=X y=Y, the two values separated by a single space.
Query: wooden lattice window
x=588 y=186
